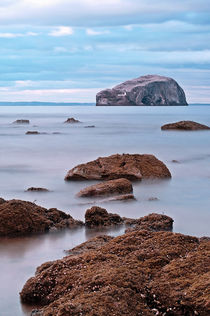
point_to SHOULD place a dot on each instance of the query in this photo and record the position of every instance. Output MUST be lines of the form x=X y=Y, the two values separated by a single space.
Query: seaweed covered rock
x=132 y=167
x=139 y=273
x=92 y=244
x=185 y=125
x=98 y=216
x=153 y=222
x=19 y=218
x=150 y=90
x=118 y=186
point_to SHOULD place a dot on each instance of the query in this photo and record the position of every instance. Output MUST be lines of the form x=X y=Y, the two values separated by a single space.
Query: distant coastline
x=34 y=103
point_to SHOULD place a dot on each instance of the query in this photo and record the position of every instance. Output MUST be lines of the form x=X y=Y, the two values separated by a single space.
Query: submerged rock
x=71 y=120
x=89 y=126
x=33 y=189
x=118 y=186
x=98 y=216
x=185 y=125
x=123 y=197
x=132 y=167
x=145 y=90
x=21 y=122
x=18 y=218
x=139 y=273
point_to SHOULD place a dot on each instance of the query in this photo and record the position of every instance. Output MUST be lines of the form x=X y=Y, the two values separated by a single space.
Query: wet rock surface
x=185 y=125
x=18 y=218
x=132 y=167
x=139 y=273
x=71 y=120
x=118 y=186
x=98 y=216
x=21 y=122
x=151 y=90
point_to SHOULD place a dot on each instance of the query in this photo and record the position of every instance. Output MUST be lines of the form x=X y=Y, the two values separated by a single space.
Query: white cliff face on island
x=151 y=90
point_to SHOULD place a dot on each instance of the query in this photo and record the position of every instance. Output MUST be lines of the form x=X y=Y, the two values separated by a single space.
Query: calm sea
x=43 y=160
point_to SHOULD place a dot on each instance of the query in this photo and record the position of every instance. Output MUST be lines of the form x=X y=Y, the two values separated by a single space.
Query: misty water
x=43 y=160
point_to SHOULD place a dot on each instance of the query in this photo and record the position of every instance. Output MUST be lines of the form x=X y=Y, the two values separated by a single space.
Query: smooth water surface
x=43 y=160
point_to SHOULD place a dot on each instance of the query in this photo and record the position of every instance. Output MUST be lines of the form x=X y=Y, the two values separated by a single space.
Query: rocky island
x=151 y=90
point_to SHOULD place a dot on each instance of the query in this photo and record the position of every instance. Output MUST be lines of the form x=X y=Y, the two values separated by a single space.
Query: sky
x=68 y=50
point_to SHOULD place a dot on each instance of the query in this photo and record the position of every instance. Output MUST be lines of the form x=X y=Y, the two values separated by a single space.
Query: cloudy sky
x=68 y=50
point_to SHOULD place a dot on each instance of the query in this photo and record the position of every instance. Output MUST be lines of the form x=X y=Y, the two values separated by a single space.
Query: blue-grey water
x=43 y=160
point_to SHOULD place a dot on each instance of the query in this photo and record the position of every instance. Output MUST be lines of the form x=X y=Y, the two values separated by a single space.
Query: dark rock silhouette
x=36 y=189
x=72 y=120
x=21 y=122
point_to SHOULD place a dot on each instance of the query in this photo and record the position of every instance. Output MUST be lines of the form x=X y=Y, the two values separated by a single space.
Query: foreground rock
x=185 y=125
x=71 y=120
x=18 y=218
x=21 y=122
x=118 y=186
x=98 y=216
x=145 y=90
x=34 y=189
x=132 y=167
x=139 y=273
x=153 y=222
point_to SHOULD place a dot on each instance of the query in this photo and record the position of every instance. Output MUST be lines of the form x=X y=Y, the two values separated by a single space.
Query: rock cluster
x=139 y=273
x=146 y=90
x=185 y=125
x=118 y=186
x=132 y=167
x=18 y=218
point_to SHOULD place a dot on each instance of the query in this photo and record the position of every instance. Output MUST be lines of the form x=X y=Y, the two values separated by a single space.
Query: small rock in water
x=185 y=125
x=175 y=161
x=89 y=126
x=21 y=122
x=33 y=189
x=71 y=120
x=153 y=199
x=117 y=186
x=32 y=133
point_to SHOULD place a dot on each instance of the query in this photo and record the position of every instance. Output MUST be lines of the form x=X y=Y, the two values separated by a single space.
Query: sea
x=43 y=160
